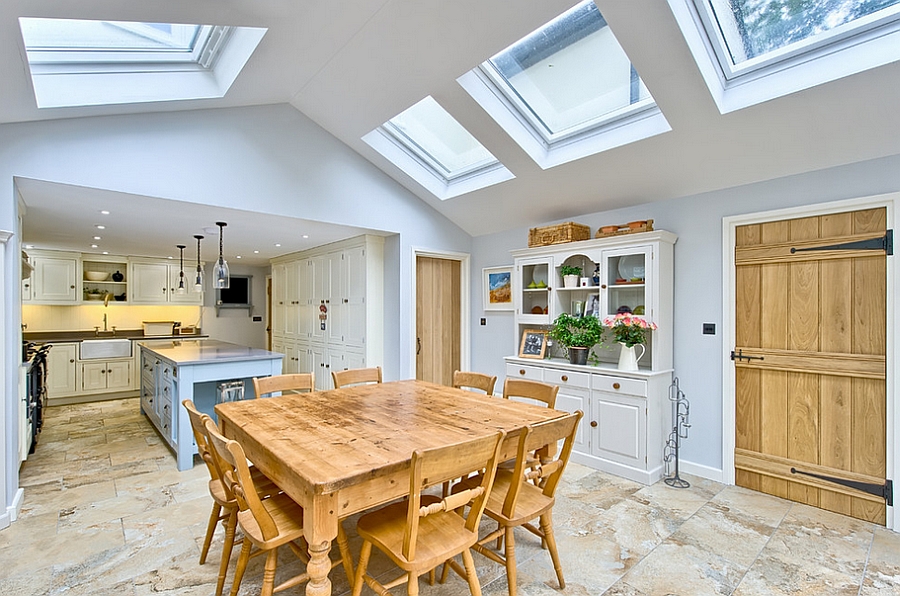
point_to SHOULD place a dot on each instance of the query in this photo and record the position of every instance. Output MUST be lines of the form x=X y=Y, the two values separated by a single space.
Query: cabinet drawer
x=523 y=371
x=565 y=378
x=620 y=385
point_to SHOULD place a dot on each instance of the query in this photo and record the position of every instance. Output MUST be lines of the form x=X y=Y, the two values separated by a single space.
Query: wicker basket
x=558 y=234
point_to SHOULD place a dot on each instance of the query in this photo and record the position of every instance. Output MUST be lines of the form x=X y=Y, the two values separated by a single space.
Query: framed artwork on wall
x=534 y=343
x=497 y=288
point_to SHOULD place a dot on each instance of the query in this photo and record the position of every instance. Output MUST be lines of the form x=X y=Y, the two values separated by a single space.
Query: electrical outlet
x=709 y=328
x=257 y=319
x=483 y=321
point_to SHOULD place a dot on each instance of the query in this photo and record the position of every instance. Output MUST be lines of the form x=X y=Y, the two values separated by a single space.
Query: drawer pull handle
x=593 y=424
x=521 y=371
x=616 y=386
x=565 y=378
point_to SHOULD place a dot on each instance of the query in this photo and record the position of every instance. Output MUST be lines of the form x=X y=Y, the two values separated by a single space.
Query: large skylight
x=567 y=84
x=81 y=62
x=751 y=51
x=427 y=143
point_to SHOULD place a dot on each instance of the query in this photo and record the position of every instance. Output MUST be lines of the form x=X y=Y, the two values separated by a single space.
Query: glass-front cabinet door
x=535 y=289
x=627 y=281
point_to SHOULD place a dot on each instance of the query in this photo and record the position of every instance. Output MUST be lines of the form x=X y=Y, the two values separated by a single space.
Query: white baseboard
x=12 y=511
x=701 y=471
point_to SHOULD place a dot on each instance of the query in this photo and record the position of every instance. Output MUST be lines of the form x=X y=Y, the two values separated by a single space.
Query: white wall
x=697 y=220
x=270 y=159
x=236 y=325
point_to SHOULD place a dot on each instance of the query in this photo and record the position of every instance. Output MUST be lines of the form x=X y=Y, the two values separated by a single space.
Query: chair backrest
x=543 y=392
x=236 y=475
x=198 y=426
x=292 y=382
x=355 y=376
x=451 y=461
x=547 y=473
x=474 y=380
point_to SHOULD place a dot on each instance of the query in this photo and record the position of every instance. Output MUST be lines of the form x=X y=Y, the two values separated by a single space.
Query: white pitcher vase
x=627 y=358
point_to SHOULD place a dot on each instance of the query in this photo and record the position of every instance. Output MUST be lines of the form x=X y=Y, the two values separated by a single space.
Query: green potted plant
x=570 y=275
x=577 y=334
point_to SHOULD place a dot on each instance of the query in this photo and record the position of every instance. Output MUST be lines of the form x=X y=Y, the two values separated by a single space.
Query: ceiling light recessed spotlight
x=278 y=245
x=96 y=237
x=29 y=246
x=170 y=257
x=256 y=252
x=106 y=252
x=305 y=236
x=237 y=256
x=99 y=227
x=94 y=246
x=104 y=212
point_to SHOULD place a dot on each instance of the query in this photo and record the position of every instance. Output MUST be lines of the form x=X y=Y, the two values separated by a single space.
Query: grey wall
x=236 y=325
x=697 y=220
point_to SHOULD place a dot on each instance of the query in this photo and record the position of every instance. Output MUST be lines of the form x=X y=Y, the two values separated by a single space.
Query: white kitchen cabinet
x=62 y=376
x=337 y=320
x=55 y=278
x=103 y=376
x=155 y=282
x=116 y=283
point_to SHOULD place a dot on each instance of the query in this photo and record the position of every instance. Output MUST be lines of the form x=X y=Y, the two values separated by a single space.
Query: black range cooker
x=35 y=358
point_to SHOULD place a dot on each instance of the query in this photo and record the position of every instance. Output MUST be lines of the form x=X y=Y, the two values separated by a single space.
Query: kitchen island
x=175 y=370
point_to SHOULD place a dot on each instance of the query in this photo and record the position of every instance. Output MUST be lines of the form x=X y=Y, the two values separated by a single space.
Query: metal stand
x=682 y=409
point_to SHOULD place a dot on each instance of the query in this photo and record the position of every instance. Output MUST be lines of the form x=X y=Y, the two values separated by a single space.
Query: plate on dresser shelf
x=631 y=266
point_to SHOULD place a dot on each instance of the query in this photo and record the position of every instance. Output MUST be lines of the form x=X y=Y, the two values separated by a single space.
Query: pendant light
x=198 y=280
x=221 y=277
x=181 y=289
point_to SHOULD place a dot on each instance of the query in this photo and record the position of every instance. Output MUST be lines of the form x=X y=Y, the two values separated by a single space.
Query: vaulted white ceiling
x=352 y=65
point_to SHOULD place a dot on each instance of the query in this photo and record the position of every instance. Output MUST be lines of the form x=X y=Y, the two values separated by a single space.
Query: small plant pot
x=570 y=281
x=578 y=355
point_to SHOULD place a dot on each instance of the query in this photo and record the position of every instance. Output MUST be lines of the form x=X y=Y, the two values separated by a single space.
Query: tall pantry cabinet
x=327 y=307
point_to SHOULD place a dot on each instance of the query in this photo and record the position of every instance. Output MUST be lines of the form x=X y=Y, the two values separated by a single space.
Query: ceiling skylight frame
x=427 y=159
x=629 y=122
x=870 y=43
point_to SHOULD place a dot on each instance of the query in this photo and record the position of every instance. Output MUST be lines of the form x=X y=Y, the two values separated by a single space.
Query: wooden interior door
x=437 y=319
x=810 y=360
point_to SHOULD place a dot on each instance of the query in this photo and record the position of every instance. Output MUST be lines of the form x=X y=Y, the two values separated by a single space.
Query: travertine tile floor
x=106 y=512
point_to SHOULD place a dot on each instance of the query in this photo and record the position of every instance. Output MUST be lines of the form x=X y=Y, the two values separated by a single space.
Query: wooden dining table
x=343 y=451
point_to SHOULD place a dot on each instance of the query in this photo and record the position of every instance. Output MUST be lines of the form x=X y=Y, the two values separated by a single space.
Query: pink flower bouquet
x=629 y=329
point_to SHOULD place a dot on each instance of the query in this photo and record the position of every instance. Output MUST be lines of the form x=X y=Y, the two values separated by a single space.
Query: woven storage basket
x=558 y=234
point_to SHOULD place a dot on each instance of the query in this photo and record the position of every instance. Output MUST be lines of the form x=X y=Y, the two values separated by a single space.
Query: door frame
x=892 y=331
x=464 y=302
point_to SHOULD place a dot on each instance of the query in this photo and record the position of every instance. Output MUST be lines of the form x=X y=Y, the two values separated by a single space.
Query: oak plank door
x=815 y=401
x=437 y=319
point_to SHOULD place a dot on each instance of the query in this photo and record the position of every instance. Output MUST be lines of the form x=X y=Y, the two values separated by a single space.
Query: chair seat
x=439 y=534
x=531 y=503
x=287 y=515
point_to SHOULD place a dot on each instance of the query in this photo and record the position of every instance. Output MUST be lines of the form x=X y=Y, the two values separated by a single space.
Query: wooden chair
x=225 y=505
x=267 y=524
x=280 y=383
x=543 y=392
x=474 y=380
x=418 y=537
x=526 y=493
x=355 y=376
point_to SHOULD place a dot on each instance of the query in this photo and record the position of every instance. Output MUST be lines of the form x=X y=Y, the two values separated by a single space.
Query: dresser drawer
x=523 y=371
x=565 y=378
x=619 y=385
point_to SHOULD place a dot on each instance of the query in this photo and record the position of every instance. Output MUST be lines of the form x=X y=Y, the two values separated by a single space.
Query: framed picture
x=534 y=343
x=497 y=288
x=592 y=306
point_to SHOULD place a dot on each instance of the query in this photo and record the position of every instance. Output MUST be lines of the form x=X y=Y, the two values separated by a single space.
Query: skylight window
x=81 y=62
x=570 y=88
x=427 y=143
x=751 y=51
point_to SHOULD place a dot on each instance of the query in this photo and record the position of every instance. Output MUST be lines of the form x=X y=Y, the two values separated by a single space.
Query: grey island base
x=175 y=370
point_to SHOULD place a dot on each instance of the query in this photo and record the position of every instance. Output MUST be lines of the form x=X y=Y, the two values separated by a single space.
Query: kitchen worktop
x=67 y=336
x=201 y=351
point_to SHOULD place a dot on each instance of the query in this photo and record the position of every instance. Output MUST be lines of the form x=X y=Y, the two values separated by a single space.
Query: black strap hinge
x=885 y=243
x=740 y=356
x=885 y=491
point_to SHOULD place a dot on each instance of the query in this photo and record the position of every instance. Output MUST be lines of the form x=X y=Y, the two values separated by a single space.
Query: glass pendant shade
x=198 y=277
x=221 y=276
x=181 y=289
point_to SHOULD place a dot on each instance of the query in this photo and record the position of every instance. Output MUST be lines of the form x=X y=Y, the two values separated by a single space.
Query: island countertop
x=205 y=351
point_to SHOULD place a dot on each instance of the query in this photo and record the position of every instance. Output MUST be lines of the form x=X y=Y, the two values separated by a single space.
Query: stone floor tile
x=674 y=568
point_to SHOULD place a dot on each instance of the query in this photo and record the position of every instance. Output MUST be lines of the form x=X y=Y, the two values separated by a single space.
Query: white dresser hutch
x=627 y=415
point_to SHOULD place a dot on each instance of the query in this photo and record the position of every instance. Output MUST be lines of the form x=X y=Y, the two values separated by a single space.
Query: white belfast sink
x=97 y=349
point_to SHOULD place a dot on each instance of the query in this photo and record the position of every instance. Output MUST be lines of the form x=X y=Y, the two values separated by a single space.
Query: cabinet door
x=27 y=294
x=190 y=296
x=353 y=298
x=533 y=287
x=279 y=287
x=570 y=399
x=149 y=283
x=291 y=299
x=620 y=433
x=118 y=375
x=93 y=376
x=61 y=375
x=55 y=279
x=305 y=362
x=320 y=275
x=323 y=372
x=306 y=312
x=627 y=281
x=335 y=324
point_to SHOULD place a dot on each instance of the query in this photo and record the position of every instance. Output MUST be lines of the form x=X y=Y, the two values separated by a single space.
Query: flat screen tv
x=237 y=294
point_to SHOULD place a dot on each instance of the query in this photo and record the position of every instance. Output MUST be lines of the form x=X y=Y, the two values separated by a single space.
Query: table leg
x=320 y=528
